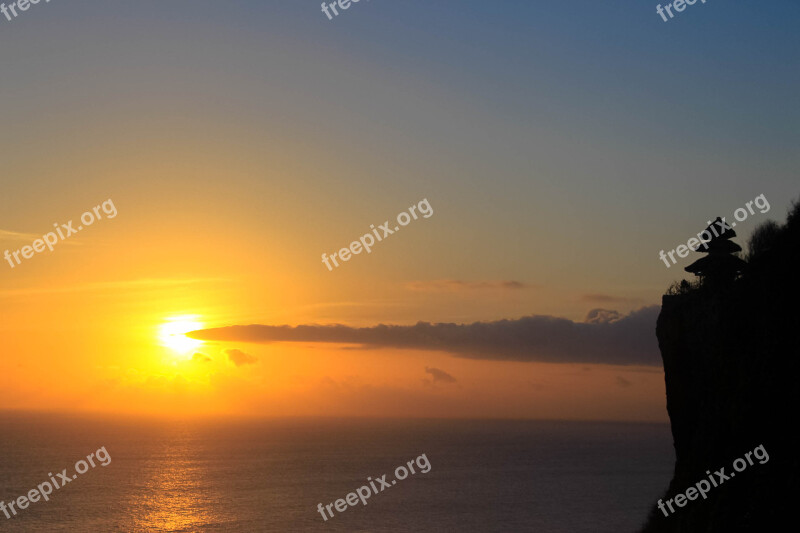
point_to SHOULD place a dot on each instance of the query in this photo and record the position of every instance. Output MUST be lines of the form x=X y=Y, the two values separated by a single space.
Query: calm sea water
x=268 y=476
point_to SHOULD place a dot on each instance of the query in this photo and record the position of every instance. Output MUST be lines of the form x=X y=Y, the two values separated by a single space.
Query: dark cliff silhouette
x=731 y=353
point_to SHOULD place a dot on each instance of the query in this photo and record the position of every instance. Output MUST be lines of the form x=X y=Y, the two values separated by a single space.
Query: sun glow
x=171 y=333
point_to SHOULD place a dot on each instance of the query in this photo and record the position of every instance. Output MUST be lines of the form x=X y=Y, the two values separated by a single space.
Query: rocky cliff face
x=731 y=358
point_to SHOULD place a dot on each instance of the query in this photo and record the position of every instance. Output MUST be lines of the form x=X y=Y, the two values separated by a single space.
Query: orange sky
x=80 y=325
x=102 y=346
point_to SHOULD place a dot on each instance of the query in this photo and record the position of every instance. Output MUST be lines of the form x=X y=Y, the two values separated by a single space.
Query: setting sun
x=172 y=333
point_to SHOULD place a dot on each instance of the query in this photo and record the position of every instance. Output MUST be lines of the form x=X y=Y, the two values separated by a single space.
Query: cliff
x=731 y=358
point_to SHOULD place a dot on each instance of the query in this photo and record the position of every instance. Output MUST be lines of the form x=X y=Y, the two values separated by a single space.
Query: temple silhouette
x=720 y=265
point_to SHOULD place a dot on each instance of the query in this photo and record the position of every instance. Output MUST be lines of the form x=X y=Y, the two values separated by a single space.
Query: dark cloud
x=239 y=358
x=627 y=340
x=201 y=358
x=440 y=376
x=458 y=285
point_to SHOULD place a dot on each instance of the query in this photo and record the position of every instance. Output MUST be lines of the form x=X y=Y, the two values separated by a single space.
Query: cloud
x=440 y=376
x=622 y=382
x=239 y=358
x=7 y=236
x=606 y=298
x=609 y=339
x=201 y=358
x=127 y=285
x=454 y=285
x=602 y=316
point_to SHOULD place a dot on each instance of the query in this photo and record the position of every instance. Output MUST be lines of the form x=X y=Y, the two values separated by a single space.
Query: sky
x=559 y=146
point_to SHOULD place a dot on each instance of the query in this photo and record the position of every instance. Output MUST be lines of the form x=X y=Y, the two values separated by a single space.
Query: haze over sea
x=269 y=475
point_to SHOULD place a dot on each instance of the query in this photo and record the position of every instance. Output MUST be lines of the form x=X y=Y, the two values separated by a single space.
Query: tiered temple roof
x=720 y=263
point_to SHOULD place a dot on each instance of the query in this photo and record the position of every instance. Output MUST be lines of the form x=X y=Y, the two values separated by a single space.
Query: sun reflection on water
x=176 y=492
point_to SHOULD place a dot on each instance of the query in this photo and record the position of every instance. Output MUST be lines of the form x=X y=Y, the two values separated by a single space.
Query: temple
x=720 y=265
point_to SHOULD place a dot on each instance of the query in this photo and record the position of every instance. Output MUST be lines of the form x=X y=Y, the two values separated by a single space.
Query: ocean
x=254 y=476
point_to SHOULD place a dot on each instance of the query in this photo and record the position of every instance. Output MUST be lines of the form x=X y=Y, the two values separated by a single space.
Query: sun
x=171 y=333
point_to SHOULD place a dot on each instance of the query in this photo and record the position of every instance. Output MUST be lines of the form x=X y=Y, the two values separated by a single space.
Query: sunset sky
x=560 y=148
